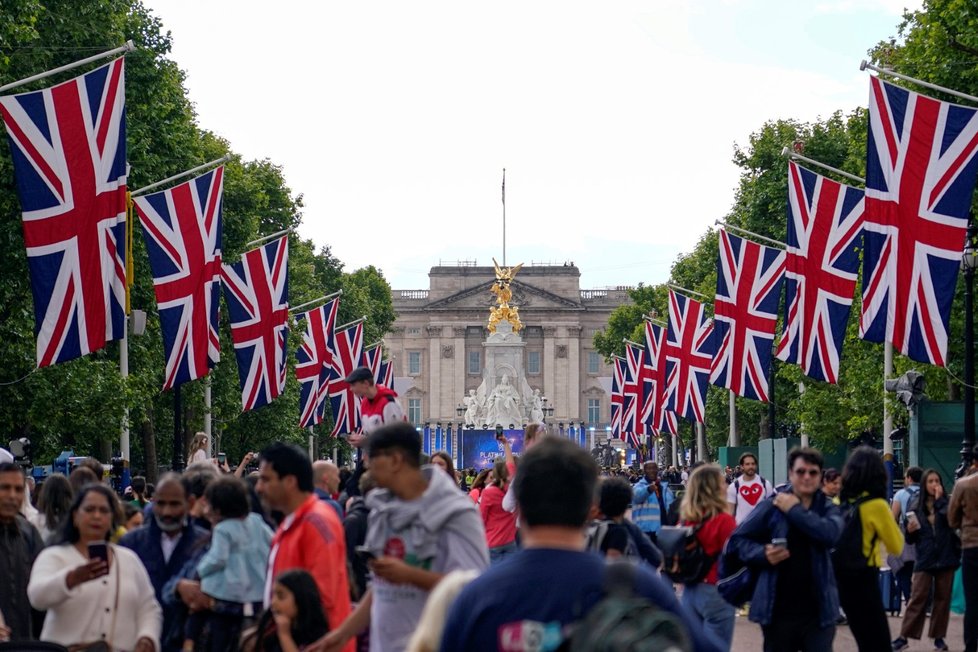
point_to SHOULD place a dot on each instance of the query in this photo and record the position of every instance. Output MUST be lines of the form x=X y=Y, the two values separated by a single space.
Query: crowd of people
x=537 y=553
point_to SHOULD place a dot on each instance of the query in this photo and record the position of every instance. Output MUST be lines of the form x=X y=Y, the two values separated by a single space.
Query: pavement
x=748 y=638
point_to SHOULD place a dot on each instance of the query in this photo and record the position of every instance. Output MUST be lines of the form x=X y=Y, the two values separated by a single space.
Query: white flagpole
x=322 y=298
x=795 y=155
x=887 y=415
x=266 y=238
x=864 y=65
x=128 y=47
x=682 y=290
x=734 y=438
x=151 y=186
x=745 y=232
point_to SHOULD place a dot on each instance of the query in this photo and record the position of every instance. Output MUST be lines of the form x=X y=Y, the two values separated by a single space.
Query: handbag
x=102 y=646
x=737 y=580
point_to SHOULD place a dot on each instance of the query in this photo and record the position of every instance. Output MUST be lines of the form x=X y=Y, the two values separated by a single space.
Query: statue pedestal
x=504 y=359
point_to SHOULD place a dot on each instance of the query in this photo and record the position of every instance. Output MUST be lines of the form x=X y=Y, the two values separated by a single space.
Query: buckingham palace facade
x=437 y=341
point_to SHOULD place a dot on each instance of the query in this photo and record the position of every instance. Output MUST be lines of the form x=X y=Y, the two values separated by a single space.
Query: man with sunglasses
x=787 y=541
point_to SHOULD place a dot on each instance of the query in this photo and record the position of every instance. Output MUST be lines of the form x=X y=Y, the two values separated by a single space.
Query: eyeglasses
x=810 y=472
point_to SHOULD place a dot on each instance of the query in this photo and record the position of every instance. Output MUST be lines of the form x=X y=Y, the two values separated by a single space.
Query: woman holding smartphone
x=96 y=594
x=938 y=556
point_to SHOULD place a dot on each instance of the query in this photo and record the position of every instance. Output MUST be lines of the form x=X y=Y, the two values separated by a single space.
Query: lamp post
x=969 y=260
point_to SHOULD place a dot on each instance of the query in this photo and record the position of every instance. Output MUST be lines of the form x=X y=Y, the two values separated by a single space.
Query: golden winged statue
x=502 y=311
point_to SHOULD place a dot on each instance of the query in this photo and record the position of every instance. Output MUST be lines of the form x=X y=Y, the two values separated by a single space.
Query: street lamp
x=969 y=261
x=460 y=410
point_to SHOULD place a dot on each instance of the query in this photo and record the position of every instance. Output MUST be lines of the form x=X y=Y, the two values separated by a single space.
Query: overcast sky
x=615 y=121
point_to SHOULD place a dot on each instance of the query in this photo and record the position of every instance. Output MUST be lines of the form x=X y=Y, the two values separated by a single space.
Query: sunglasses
x=810 y=472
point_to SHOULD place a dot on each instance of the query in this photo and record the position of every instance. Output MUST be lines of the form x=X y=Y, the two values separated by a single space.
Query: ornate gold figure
x=502 y=311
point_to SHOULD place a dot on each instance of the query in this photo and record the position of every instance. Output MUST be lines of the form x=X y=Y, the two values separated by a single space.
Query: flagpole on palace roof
x=144 y=189
x=504 y=217
x=682 y=290
x=785 y=151
x=865 y=65
x=326 y=297
x=128 y=47
x=751 y=234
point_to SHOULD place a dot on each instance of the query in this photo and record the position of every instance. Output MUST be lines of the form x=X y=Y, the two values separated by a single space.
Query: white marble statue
x=504 y=405
x=536 y=407
x=473 y=409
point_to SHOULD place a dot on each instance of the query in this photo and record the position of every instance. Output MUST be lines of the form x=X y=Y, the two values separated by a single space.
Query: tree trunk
x=149 y=449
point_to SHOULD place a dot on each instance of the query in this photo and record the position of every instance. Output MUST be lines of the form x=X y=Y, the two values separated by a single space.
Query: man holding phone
x=787 y=541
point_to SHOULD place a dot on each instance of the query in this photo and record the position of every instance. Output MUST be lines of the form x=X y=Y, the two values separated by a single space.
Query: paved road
x=747 y=637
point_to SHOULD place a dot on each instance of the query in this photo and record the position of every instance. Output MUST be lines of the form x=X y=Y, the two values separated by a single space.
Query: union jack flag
x=825 y=221
x=68 y=145
x=617 y=400
x=689 y=357
x=920 y=177
x=657 y=417
x=373 y=358
x=257 y=292
x=347 y=353
x=387 y=374
x=182 y=230
x=314 y=359
x=633 y=395
x=745 y=314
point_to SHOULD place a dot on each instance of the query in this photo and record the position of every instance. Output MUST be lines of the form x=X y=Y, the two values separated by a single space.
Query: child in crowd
x=232 y=571
x=294 y=618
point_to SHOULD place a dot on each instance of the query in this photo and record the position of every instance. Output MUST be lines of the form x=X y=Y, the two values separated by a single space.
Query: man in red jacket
x=311 y=537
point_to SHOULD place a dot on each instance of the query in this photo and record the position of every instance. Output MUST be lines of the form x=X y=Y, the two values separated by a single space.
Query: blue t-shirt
x=528 y=602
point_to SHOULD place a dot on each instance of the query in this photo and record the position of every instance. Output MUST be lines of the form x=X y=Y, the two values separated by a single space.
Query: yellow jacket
x=879 y=525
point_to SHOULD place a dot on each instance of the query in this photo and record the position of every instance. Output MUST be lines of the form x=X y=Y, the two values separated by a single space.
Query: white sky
x=615 y=121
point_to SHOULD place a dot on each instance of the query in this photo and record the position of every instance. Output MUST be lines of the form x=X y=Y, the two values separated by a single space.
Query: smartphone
x=365 y=552
x=98 y=550
x=222 y=458
x=779 y=542
x=500 y=433
x=912 y=517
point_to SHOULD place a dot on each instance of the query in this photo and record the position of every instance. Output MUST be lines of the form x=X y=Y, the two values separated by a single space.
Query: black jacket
x=355 y=527
x=20 y=543
x=938 y=547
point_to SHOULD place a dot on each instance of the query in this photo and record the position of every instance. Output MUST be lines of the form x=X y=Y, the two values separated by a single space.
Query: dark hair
x=129 y=510
x=808 y=455
x=500 y=472
x=447 y=459
x=69 y=533
x=54 y=500
x=197 y=478
x=95 y=466
x=229 y=496
x=744 y=456
x=555 y=485
x=310 y=622
x=11 y=467
x=480 y=480
x=915 y=473
x=830 y=475
x=615 y=495
x=289 y=459
x=81 y=476
x=863 y=473
x=400 y=436
x=926 y=500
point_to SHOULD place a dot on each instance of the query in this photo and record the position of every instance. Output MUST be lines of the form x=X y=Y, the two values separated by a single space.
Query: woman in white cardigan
x=88 y=600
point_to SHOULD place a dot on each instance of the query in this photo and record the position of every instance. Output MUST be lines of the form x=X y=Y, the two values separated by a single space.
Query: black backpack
x=598 y=530
x=848 y=552
x=625 y=620
x=683 y=559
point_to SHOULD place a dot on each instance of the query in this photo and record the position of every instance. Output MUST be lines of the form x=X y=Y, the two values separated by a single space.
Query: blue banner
x=480 y=448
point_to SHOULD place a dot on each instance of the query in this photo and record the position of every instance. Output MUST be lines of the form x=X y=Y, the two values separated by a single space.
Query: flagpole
x=504 y=217
x=795 y=155
x=122 y=49
x=266 y=238
x=887 y=415
x=745 y=232
x=628 y=341
x=322 y=298
x=682 y=290
x=657 y=322
x=865 y=65
x=734 y=438
x=144 y=189
x=372 y=346
x=352 y=323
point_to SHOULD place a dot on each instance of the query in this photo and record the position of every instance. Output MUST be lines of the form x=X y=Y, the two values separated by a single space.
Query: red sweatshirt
x=712 y=536
x=500 y=524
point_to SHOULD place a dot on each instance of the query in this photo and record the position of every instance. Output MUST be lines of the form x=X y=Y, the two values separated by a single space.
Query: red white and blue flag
x=314 y=359
x=825 y=220
x=347 y=354
x=373 y=359
x=68 y=145
x=387 y=374
x=633 y=396
x=745 y=314
x=920 y=178
x=182 y=230
x=689 y=357
x=617 y=400
x=657 y=417
x=257 y=292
